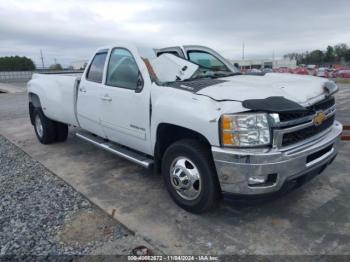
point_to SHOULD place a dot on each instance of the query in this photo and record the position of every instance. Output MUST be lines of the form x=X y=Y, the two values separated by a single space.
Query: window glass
x=207 y=60
x=122 y=69
x=95 y=72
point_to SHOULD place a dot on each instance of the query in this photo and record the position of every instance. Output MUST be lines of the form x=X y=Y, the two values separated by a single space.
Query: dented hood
x=298 y=88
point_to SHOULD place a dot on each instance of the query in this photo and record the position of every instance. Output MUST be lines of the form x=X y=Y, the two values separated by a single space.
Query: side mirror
x=139 y=83
x=236 y=65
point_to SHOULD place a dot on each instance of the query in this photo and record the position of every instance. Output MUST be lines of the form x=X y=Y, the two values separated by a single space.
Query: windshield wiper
x=199 y=77
x=203 y=76
x=191 y=79
x=217 y=75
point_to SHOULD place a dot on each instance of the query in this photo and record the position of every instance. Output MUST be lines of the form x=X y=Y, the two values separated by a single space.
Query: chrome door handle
x=82 y=89
x=106 y=98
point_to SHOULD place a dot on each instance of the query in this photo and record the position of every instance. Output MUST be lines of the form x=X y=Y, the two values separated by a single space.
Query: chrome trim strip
x=302 y=119
x=295 y=121
x=278 y=133
x=305 y=143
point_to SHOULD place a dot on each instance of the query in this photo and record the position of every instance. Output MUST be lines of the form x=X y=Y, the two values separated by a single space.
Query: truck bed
x=58 y=91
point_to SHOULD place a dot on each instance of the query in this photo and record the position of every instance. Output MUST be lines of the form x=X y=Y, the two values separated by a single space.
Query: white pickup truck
x=208 y=129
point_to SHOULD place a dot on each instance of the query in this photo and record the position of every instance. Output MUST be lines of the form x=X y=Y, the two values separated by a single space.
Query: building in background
x=265 y=63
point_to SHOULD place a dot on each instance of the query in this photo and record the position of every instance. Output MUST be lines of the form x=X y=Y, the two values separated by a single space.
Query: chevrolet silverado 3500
x=189 y=113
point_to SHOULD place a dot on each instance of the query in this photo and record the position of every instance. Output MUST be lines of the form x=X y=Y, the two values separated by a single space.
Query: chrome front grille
x=294 y=128
x=307 y=132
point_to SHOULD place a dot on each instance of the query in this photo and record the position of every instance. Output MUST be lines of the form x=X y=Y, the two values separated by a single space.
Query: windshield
x=170 y=68
x=207 y=60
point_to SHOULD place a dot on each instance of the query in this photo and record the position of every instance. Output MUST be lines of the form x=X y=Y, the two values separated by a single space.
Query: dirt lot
x=311 y=220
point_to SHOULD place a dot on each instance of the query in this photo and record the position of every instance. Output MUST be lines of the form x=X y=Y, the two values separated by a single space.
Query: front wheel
x=190 y=176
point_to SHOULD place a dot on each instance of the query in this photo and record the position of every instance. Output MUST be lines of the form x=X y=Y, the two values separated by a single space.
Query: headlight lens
x=245 y=130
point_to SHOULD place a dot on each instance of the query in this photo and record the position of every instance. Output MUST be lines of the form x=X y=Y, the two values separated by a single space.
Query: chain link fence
x=24 y=76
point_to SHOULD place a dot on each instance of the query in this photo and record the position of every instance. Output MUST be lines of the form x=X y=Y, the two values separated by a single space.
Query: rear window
x=95 y=72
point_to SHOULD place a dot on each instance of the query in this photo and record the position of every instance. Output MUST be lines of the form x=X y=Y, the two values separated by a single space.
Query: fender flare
x=34 y=102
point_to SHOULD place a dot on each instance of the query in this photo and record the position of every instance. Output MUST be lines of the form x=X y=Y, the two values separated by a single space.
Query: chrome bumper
x=239 y=169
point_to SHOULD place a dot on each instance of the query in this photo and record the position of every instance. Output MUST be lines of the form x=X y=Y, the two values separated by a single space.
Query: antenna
x=42 y=59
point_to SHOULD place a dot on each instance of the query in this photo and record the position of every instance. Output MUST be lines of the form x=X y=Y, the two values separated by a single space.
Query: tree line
x=337 y=54
x=16 y=63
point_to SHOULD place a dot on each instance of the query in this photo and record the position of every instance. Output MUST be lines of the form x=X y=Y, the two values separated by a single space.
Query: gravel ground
x=41 y=214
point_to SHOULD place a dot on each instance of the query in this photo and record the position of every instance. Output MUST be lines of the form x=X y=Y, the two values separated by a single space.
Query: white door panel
x=89 y=94
x=125 y=111
x=122 y=119
x=89 y=107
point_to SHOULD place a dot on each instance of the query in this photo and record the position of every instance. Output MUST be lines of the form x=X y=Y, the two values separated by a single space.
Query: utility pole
x=55 y=61
x=42 y=59
x=243 y=51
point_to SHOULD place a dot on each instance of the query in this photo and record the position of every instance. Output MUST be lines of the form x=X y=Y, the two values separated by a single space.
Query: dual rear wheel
x=47 y=130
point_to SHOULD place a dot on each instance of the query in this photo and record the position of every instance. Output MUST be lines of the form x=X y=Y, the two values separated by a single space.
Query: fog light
x=263 y=180
x=256 y=180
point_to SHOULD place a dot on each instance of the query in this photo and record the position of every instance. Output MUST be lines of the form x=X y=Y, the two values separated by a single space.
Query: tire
x=191 y=160
x=44 y=127
x=61 y=132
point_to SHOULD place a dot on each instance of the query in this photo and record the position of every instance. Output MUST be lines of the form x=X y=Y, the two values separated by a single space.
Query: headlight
x=245 y=130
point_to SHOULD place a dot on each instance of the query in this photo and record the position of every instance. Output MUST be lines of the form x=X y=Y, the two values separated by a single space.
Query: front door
x=125 y=111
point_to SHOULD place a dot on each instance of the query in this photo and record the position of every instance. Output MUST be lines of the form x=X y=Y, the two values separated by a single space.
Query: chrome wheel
x=39 y=126
x=185 y=178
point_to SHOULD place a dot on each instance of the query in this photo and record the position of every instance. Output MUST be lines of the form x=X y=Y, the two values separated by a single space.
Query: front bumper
x=237 y=168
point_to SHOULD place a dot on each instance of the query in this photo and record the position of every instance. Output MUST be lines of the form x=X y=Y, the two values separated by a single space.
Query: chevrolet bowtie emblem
x=319 y=118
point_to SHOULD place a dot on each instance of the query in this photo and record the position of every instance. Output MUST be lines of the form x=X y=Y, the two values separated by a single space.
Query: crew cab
x=192 y=116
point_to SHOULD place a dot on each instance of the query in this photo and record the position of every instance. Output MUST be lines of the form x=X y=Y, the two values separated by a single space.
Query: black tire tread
x=202 y=152
x=49 y=134
x=61 y=132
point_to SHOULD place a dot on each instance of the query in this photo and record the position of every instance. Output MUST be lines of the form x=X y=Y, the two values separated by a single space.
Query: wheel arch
x=34 y=99
x=168 y=134
x=34 y=102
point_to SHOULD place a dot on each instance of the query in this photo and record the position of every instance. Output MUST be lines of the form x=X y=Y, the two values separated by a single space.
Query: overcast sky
x=71 y=30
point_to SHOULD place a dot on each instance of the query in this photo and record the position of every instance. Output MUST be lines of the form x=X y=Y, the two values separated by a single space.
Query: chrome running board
x=116 y=149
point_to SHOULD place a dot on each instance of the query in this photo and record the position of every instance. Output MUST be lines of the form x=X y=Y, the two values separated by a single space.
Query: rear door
x=89 y=95
x=125 y=110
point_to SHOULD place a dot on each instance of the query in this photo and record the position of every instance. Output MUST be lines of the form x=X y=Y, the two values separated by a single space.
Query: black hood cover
x=274 y=104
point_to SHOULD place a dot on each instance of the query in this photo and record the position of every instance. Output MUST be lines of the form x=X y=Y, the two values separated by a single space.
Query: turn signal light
x=227 y=123
x=228 y=138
